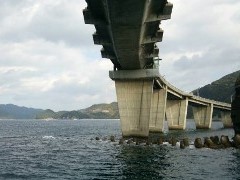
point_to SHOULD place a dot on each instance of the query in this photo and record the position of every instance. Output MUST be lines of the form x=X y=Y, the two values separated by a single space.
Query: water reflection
x=233 y=168
x=170 y=162
x=143 y=162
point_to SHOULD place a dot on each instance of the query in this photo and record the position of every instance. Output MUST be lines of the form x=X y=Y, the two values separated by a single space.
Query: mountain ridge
x=219 y=90
x=11 y=111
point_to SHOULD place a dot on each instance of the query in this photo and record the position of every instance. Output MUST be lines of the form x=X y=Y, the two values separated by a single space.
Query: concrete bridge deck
x=128 y=31
x=164 y=101
x=163 y=83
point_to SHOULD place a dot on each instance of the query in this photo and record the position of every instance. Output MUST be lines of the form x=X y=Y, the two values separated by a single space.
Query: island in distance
x=220 y=90
x=98 y=111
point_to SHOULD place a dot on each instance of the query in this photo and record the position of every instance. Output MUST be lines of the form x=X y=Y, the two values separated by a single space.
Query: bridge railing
x=195 y=98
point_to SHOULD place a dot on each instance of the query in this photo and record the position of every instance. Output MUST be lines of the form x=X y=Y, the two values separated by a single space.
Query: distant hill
x=97 y=111
x=74 y=115
x=220 y=90
x=10 y=111
x=106 y=111
x=48 y=113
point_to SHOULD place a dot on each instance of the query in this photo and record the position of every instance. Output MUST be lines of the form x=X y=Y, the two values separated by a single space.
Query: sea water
x=65 y=149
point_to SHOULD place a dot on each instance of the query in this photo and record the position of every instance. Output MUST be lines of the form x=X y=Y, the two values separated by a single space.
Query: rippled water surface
x=35 y=149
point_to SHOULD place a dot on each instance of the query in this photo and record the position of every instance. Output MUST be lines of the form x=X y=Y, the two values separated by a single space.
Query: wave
x=48 y=137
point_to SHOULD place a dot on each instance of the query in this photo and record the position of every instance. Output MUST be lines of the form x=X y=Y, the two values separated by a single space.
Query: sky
x=48 y=59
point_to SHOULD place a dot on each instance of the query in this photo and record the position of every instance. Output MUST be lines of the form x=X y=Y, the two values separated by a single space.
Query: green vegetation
x=73 y=115
x=46 y=114
x=220 y=90
x=10 y=111
x=102 y=111
x=97 y=111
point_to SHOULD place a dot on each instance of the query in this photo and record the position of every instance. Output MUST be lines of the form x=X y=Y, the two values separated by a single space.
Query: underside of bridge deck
x=128 y=31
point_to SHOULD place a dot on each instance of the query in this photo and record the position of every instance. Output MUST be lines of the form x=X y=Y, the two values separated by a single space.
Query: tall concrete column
x=134 y=90
x=226 y=119
x=176 y=112
x=158 y=108
x=203 y=116
x=134 y=103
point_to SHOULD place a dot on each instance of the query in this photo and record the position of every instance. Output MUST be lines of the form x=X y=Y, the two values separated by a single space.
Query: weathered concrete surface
x=134 y=74
x=158 y=108
x=235 y=111
x=203 y=116
x=128 y=30
x=134 y=102
x=226 y=119
x=176 y=113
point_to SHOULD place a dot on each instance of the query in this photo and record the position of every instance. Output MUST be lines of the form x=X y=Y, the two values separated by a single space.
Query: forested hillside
x=220 y=90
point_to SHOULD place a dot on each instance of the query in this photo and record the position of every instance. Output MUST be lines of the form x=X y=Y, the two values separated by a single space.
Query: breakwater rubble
x=213 y=142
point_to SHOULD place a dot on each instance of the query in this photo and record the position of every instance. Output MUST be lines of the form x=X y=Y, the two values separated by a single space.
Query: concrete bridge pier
x=203 y=116
x=134 y=103
x=134 y=89
x=158 y=108
x=176 y=112
x=226 y=119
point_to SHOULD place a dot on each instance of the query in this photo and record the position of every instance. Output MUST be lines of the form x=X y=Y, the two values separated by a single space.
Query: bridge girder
x=128 y=30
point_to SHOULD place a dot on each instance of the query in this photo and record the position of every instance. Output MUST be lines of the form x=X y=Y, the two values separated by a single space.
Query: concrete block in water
x=236 y=140
x=225 y=141
x=182 y=146
x=198 y=143
x=186 y=141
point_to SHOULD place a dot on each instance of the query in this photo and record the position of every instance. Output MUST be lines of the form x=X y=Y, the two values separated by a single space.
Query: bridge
x=128 y=31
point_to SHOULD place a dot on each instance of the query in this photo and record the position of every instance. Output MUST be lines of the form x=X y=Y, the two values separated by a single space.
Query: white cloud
x=48 y=59
x=56 y=21
x=200 y=42
x=44 y=73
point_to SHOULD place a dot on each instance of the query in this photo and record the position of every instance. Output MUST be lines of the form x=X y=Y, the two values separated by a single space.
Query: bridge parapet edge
x=154 y=74
x=134 y=74
x=196 y=99
x=216 y=104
